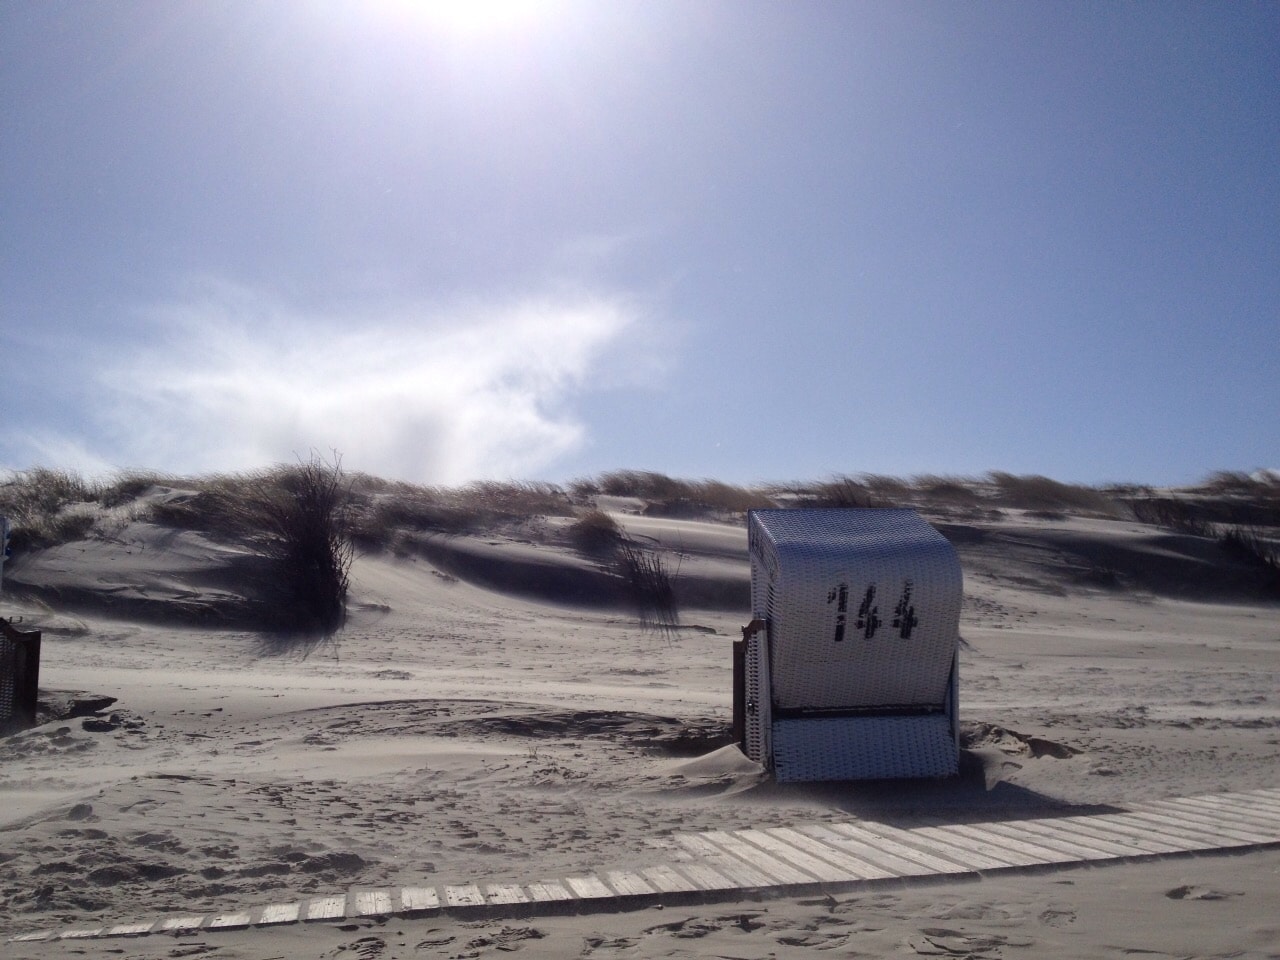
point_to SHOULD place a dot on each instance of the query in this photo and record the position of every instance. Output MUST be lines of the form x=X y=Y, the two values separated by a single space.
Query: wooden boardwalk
x=780 y=861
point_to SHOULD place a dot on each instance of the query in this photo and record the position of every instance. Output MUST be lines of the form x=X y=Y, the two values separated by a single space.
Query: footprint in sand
x=942 y=942
x=1057 y=916
x=607 y=943
x=1191 y=892
x=365 y=948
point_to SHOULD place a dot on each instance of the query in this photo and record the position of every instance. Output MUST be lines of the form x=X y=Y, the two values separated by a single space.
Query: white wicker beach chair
x=849 y=669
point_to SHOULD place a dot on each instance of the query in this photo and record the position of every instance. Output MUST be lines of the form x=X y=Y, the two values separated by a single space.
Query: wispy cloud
x=233 y=380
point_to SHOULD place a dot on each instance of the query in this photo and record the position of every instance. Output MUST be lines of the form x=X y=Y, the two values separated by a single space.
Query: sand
x=473 y=722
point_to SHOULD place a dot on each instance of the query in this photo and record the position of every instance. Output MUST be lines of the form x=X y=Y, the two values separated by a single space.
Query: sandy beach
x=476 y=721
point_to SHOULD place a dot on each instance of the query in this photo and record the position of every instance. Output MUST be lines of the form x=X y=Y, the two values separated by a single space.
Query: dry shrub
x=198 y=510
x=129 y=485
x=295 y=518
x=644 y=574
x=949 y=490
x=649 y=587
x=1252 y=546
x=645 y=484
x=1034 y=492
x=516 y=499
x=299 y=516
x=889 y=490
x=1261 y=485
x=840 y=491
x=1180 y=516
x=379 y=519
x=37 y=503
x=595 y=532
x=670 y=496
x=44 y=491
x=383 y=511
x=729 y=497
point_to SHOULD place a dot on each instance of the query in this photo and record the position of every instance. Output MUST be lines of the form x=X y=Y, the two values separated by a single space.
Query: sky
x=753 y=241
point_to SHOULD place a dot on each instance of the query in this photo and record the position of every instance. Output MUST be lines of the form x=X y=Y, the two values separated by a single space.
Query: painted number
x=868 y=617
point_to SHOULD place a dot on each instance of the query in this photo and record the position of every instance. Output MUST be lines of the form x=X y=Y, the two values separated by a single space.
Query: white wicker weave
x=857 y=664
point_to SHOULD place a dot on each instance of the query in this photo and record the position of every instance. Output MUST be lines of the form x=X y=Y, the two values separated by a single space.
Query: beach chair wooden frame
x=849 y=669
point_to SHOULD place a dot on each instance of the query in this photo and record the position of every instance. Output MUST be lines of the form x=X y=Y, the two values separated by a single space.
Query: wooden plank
x=668 y=880
x=1263 y=799
x=1141 y=840
x=129 y=929
x=419 y=899
x=1207 y=811
x=1202 y=826
x=804 y=852
x=326 y=908
x=1051 y=831
x=229 y=921
x=706 y=877
x=884 y=839
x=965 y=853
x=853 y=856
x=1267 y=798
x=823 y=842
x=1210 y=824
x=1036 y=832
x=983 y=846
x=1228 y=812
x=742 y=875
x=1187 y=836
x=589 y=888
x=628 y=884
x=463 y=895
x=880 y=862
x=180 y=924
x=280 y=913
x=1225 y=807
x=505 y=893
x=32 y=937
x=549 y=891
x=372 y=903
x=780 y=872
x=1037 y=852
x=84 y=933
x=1266 y=817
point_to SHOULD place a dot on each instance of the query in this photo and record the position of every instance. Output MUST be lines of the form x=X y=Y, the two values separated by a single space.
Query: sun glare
x=470 y=17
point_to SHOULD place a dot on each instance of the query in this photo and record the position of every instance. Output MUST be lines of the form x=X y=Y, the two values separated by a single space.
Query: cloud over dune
x=235 y=381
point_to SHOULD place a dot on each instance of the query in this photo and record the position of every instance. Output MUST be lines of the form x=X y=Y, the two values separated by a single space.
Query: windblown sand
x=456 y=731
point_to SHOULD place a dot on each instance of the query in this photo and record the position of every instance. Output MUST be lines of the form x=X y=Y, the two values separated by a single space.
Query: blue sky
x=744 y=240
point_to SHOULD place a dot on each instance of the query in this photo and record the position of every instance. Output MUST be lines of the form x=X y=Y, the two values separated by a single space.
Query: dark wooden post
x=740 y=694
x=24 y=663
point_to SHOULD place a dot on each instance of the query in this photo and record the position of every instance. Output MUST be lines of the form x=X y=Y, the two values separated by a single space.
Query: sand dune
x=494 y=711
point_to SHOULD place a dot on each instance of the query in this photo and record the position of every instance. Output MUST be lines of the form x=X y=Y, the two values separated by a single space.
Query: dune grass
x=300 y=515
x=839 y=491
x=671 y=496
x=646 y=579
x=44 y=507
x=1035 y=492
x=1251 y=545
x=596 y=533
x=1180 y=516
x=304 y=518
x=381 y=509
x=649 y=586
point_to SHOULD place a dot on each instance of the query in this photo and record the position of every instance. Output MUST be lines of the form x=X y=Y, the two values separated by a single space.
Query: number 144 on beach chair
x=849 y=667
